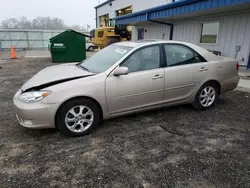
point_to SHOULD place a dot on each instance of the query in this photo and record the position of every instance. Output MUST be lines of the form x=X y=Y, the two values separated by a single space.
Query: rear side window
x=100 y=34
x=177 y=54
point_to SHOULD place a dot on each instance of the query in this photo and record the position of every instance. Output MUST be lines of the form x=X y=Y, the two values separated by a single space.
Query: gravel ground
x=5 y=55
x=174 y=147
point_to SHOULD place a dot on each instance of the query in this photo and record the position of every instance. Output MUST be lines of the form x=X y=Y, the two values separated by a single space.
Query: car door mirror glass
x=121 y=71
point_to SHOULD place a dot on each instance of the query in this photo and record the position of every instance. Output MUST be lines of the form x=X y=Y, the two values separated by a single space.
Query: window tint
x=100 y=34
x=181 y=55
x=144 y=59
x=209 y=32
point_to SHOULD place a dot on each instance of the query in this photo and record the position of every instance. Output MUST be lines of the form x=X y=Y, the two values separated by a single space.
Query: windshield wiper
x=82 y=67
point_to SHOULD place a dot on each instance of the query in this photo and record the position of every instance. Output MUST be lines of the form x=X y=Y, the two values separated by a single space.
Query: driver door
x=142 y=88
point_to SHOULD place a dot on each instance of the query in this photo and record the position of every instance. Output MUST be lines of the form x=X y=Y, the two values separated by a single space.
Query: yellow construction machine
x=105 y=36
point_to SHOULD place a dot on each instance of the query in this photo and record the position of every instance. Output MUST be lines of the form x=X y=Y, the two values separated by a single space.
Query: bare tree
x=41 y=23
x=23 y=22
x=77 y=28
x=48 y=23
x=11 y=23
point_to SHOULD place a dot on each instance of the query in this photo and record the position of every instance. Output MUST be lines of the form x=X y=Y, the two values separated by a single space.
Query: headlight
x=33 y=96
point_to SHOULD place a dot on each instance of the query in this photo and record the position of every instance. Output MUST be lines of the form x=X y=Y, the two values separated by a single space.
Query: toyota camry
x=123 y=78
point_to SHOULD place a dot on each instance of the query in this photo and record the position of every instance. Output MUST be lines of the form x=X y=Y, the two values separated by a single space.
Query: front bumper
x=36 y=115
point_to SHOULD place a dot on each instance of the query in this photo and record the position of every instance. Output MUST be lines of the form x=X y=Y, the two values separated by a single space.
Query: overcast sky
x=71 y=11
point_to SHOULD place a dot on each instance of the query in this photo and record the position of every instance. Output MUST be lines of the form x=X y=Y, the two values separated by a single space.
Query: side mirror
x=121 y=71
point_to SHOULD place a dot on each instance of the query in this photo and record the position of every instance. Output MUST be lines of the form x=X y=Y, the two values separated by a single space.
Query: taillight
x=237 y=66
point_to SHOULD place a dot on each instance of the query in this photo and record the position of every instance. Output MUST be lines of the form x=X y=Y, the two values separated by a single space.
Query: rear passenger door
x=185 y=71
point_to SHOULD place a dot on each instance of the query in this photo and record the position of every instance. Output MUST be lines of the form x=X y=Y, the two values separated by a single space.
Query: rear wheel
x=206 y=97
x=78 y=117
x=112 y=41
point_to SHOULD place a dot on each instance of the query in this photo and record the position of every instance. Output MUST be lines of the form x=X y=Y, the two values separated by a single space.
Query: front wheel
x=206 y=97
x=78 y=117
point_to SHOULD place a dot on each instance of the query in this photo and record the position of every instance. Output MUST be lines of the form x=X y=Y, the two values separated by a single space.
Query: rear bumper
x=230 y=84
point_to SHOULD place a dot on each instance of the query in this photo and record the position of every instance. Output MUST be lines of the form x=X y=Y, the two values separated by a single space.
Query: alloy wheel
x=207 y=96
x=79 y=118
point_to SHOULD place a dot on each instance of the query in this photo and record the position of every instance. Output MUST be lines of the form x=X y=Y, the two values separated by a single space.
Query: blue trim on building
x=104 y=3
x=175 y=8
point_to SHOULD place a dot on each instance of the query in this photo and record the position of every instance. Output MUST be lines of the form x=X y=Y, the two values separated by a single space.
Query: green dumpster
x=68 y=46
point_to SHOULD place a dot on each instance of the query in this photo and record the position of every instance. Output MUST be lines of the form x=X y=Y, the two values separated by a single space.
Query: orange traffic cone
x=12 y=53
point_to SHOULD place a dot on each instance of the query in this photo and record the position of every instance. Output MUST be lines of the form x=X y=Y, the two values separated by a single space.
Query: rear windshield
x=105 y=58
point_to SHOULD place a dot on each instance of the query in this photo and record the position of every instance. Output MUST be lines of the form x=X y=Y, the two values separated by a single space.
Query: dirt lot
x=173 y=147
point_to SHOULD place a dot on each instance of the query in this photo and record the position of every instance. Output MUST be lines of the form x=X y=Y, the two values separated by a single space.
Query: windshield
x=105 y=58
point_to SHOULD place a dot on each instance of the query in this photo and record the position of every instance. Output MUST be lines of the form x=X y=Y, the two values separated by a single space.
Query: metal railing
x=27 y=39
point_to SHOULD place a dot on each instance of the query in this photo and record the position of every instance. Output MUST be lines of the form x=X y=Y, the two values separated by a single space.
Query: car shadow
x=159 y=116
x=39 y=133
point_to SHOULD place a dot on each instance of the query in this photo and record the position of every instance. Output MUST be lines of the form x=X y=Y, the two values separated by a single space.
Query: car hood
x=55 y=75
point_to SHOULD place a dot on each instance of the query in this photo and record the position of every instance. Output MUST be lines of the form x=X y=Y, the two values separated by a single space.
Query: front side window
x=181 y=55
x=144 y=59
x=209 y=32
x=105 y=58
x=100 y=34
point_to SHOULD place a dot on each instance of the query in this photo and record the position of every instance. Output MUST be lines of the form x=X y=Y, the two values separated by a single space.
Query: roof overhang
x=175 y=9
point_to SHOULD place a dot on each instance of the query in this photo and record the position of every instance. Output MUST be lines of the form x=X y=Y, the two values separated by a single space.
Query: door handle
x=157 y=76
x=203 y=69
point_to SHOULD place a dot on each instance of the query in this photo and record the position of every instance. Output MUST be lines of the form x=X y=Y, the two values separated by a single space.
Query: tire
x=206 y=97
x=78 y=123
x=91 y=49
x=112 y=41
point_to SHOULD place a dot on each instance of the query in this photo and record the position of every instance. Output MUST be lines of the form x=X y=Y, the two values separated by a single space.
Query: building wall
x=234 y=30
x=145 y=4
x=152 y=31
x=137 y=5
x=116 y=5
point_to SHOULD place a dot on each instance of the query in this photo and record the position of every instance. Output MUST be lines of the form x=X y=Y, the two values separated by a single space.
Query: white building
x=218 y=25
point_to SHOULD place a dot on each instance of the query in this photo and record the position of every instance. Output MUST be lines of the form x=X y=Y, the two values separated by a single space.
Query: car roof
x=141 y=43
x=136 y=43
